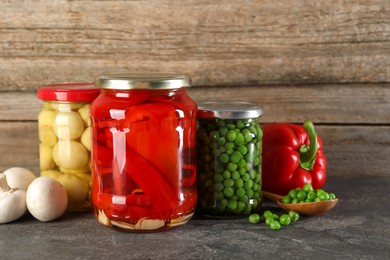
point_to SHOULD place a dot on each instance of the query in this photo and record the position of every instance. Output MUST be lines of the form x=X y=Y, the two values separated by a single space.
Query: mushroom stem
x=3 y=183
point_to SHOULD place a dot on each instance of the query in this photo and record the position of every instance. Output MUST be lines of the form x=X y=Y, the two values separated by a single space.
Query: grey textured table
x=357 y=228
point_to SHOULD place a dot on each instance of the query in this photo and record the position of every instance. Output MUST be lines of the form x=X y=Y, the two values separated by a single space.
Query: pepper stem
x=308 y=153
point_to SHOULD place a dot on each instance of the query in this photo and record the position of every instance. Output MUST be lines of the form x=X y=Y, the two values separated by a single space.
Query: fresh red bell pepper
x=292 y=156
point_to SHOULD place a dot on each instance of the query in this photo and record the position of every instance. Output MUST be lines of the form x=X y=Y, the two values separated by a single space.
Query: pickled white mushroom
x=84 y=113
x=70 y=154
x=81 y=173
x=68 y=125
x=47 y=136
x=46 y=161
x=46 y=117
x=86 y=138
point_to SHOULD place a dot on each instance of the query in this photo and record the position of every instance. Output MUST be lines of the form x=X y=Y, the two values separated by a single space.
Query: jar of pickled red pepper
x=229 y=140
x=65 y=139
x=143 y=151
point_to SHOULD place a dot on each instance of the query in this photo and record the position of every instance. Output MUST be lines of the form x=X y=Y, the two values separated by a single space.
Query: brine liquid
x=143 y=156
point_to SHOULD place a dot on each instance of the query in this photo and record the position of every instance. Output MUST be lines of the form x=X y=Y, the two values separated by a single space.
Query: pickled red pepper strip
x=163 y=198
x=154 y=136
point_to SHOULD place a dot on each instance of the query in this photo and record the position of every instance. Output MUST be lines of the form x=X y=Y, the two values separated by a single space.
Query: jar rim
x=151 y=81
x=73 y=92
x=229 y=109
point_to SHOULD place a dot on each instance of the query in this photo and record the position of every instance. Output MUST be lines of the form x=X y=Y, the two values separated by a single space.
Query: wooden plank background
x=328 y=61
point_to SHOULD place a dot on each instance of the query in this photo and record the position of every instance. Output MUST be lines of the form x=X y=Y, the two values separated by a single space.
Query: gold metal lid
x=152 y=81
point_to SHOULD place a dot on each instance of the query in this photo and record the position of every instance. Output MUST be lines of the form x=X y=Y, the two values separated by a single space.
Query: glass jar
x=229 y=140
x=65 y=139
x=144 y=168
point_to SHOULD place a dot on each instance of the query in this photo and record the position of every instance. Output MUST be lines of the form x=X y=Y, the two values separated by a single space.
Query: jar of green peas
x=229 y=140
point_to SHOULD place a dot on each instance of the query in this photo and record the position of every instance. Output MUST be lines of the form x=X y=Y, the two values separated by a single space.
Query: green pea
x=254 y=218
x=301 y=195
x=219 y=196
x=223 y=158
x=223 y=131
x=235 y=157
x=285 y=220
x=231 y=135
x=248 y=184
x=228 y=183
x=239 y=140
x=241 y=163
x=230 y=126
x=247 y=135
x=246 y=177
x=218 y=177
x=221 y=141
x=223 y=204
x=311 y=195
x=308 y=187
x=240 y=124
x=240 y=206
x=286 y=199
x=228 y=192
x=292 y=194
x=243 y=198
x=253 y=130
x=229 y=145
x=293 y=215
x=242 y=149
x=275 y=217
x=256 y=161
x=332 y=196
x=235 y=175
x=319 y=191
x=249 y=193
x=231 y=167
x=232 y=204
x=219 y=186
x=226 y=174
x=239 y=183
x=242 y=171
x=324 y=196
x=275 y=225
x=267 y=214
x=268 y=220
x=247 y=210
x=240 y=192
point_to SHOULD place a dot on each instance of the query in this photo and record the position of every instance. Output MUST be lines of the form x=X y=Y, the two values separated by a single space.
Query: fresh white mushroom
x=18 y=177
x=46 y=199
x=12 y=202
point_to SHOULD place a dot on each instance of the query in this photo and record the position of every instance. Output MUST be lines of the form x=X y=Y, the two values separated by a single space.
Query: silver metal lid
x=229 y=110
x=129 y=81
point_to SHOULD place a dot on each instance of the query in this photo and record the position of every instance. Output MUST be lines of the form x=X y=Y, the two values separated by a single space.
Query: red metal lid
x=76 y=92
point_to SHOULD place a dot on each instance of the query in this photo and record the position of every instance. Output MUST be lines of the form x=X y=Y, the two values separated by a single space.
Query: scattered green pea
x=285 y=219
x=267 y=214
x=254 y=218
x=268 y=220
x=293 y=215
x=275 y=225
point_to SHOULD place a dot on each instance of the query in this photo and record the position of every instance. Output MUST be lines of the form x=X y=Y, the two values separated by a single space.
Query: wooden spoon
x=307 y=208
